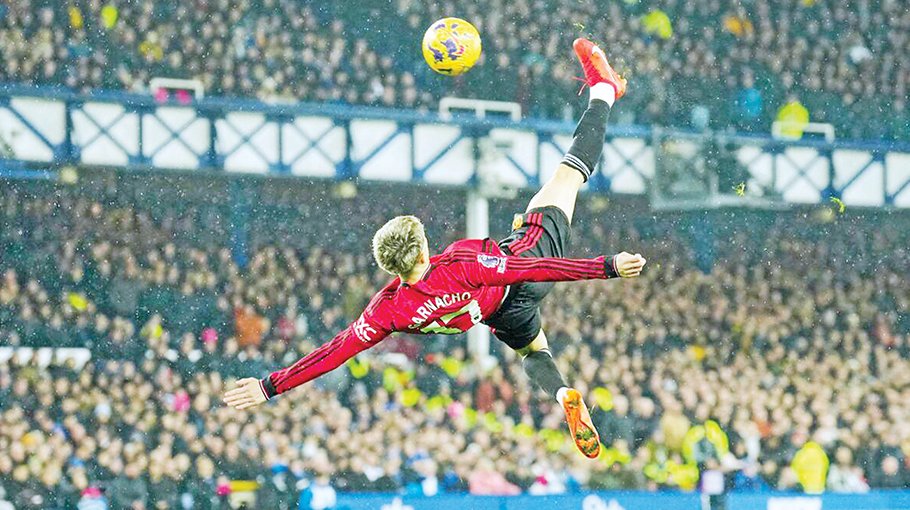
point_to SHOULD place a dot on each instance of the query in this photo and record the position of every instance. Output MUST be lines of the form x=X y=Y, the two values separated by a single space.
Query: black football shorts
x=540 y=232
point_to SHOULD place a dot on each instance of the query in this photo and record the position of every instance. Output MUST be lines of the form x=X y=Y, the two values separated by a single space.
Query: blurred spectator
x=250 y=327
x=844 y=476
x=128 y=489
x=749 y=104
x=657 y=23
x=810 y=464
x=793 y=117
x=748 y=479
x=891 y=474
x=319 y=495
x=486 y=481
x=616 y=425
x=92 y=499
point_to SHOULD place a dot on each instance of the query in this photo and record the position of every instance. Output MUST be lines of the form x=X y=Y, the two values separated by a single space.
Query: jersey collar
x=423 y=277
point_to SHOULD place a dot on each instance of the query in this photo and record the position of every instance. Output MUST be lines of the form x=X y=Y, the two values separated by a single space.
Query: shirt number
x=441 y=325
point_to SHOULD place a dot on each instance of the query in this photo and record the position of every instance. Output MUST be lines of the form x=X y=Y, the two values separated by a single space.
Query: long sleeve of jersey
x=358 y=337
x=499 y=270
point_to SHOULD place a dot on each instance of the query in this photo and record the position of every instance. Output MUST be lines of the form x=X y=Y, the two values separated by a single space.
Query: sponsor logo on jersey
x=492 y=261
x=363 y=331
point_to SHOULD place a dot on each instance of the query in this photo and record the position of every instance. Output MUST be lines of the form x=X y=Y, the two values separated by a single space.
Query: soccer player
x=481 y=281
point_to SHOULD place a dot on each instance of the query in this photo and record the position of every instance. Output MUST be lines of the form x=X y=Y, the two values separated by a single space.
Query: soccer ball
x=451 y=46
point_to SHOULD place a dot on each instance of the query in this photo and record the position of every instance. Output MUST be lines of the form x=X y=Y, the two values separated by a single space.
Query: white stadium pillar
x=477 y=213
x=484 y=186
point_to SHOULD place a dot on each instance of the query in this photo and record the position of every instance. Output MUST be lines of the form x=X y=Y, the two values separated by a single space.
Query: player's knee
x=569 y=175
x=560 y=191
x=538 y=344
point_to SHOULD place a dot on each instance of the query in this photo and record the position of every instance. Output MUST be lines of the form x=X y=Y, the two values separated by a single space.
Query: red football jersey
x=464 y=285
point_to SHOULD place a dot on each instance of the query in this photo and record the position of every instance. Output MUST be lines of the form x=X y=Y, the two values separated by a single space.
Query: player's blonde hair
x=398 y=244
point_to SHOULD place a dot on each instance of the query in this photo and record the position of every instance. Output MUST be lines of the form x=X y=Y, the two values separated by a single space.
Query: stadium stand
x=798 y=335
x=846 y=62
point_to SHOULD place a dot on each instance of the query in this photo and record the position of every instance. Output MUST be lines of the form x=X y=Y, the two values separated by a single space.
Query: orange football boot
x=580 y=425
x=597 y=69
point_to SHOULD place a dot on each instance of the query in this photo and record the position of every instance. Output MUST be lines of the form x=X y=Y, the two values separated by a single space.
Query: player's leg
x=543 y=372
x=540 y=367
x=543 y=231
x=587 y=144
x=560 y=191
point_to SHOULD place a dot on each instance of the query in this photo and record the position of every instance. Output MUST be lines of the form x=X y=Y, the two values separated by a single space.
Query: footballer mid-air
x=473 y=281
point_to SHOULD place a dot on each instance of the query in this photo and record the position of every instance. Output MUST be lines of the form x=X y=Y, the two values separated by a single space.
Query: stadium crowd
x=848 y=62
x=799 y=336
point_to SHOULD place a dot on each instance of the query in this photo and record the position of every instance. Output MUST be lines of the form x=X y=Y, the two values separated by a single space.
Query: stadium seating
x=799 y=332
x=847 y=63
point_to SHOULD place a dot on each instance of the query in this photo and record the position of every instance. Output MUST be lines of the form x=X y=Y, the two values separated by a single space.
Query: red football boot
x=597 y=69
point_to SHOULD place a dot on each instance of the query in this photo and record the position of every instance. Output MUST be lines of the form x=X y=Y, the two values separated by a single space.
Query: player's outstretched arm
x=357 y=337
x=483 y=269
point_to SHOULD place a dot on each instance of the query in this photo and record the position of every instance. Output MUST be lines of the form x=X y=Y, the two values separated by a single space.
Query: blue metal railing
x=56 y=126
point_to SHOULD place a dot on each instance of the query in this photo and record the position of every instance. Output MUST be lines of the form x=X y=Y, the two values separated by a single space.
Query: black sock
x=542 y=370
x=588 y=141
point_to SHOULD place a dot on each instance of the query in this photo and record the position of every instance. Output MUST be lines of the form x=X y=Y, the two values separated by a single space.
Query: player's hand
x=628 y=265
x=247 y=394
